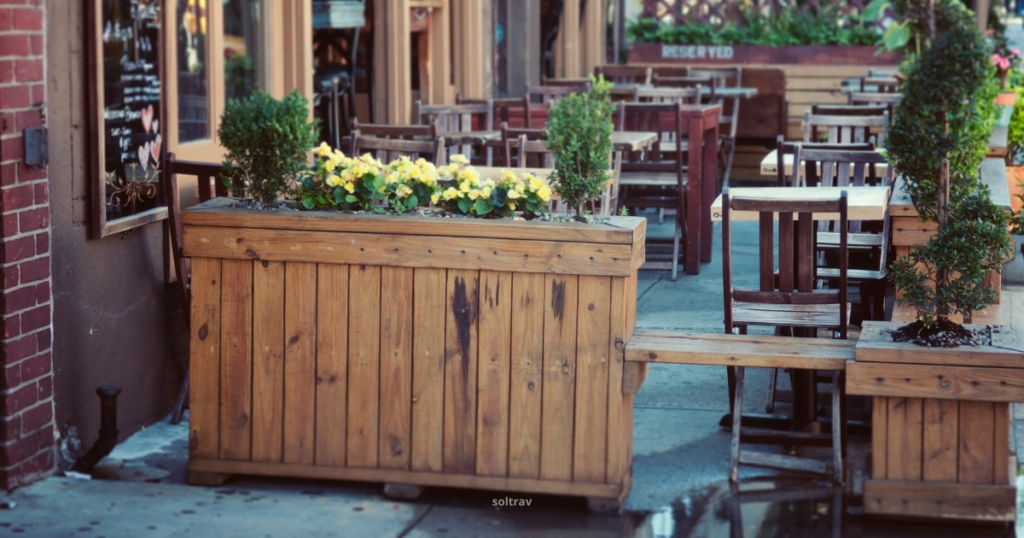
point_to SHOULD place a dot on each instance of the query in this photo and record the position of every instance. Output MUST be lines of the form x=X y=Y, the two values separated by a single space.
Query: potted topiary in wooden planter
x=412 y=349
x=941 y=391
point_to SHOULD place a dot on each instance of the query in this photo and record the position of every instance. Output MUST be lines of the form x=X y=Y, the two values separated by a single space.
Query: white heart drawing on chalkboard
x=147 y=117
x=144 y=155
x=156 y=127
x=155 y=149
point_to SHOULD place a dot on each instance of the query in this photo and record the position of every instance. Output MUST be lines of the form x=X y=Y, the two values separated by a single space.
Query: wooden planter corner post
x=412 y=351
x=940 y=444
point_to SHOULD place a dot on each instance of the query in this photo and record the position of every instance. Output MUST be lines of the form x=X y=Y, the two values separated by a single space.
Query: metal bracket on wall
x=37 y=153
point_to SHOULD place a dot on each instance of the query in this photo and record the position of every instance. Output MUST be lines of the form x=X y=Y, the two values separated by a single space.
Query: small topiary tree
x=579 y=133
x=938 y=141
x=268 y=142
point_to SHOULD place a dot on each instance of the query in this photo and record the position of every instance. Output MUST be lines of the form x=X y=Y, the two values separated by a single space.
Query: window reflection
x=242 y=48
x=193 y=93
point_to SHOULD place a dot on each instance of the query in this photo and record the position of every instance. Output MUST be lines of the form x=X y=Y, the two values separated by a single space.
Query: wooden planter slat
x=941 y=382
x=940 y=500
x=412 y=251
x=408 y=373
x=941 y=424
x=1007 y=350
x=219 y=213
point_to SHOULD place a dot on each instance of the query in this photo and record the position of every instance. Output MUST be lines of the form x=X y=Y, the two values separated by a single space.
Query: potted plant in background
x=358 y=322
x=941 y=390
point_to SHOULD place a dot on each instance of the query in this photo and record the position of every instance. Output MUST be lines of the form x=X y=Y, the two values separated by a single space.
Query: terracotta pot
x=1006 y=99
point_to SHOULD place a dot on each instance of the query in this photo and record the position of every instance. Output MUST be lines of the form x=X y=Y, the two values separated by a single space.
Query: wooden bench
x=677 y=347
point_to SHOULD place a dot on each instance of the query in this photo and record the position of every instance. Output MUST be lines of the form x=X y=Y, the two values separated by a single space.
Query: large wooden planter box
x=760 y=54
x=940 y=425
x=408 y=350
x=909 y=230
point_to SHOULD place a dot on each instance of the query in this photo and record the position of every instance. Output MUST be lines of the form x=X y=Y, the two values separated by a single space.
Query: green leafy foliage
x=579 y=131
x=946 y=114
x=266 y=141
x=823 y=25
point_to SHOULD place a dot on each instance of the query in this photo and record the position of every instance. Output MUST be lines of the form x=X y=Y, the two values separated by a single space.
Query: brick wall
x=26 y=387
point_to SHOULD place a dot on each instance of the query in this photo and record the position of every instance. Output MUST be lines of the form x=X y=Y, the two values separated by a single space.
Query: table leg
x=708 y=183
x=694 y=198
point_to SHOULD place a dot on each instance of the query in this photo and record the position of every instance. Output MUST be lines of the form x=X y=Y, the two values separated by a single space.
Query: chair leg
x=675 y=250
x=773 y=379
x=179 y=406
x=730 y=148
x=837 y=426
x=737 y=414
x=661 y=215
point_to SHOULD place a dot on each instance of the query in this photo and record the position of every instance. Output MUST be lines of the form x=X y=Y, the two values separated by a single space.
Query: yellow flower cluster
x=401 y=177
x=464 y=180
x=528 y=184
x=337 y=169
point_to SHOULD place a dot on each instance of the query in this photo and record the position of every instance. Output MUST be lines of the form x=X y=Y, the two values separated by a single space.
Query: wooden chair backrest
x=686 y=82
x=845 y=129
x=388 y=150
x=872 y=72
x=872 y=98
x=574 y=82
x=453 y=118
x=796 y=248
x=404 y=132
x=529 y=146
x=206 y=172
x=665 y=119
x=784 y=148
x=686 y=96
x=727 y=77
x=503 y=109
x=881 y=84
x=547 y=94
x=624 y=74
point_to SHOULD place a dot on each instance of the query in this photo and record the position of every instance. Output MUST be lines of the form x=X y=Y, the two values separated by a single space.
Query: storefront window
x=242 y=48
x=193 y=92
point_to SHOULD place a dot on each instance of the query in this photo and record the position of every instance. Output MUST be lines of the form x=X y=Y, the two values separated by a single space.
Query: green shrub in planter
x=268 y=142
x=579 y=132
x=938 y=141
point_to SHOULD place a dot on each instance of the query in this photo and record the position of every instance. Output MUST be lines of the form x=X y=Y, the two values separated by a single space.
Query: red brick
x=5 y=19
x=12 y=97
x=43 y=243
x=19 y=451
x=38 y=92
x=43 y=293
x=28 y=70
x=36 y=318
x=35 y=270
x=45 y=387
x=28 y=19
x=8 y=123
x=44 y=339
x=12 y=326
x=21 y=399
x=12 y=376
x=18 y=249
x=8 y=174
x=39 y=417
x=36 y=43
x=13 y=2
x=34 y=219
x=10 y=428
x=12 y=149
x=19 y=299
x=27 y=173
x=20 y=348
x=14 y=45
x=17 y=198
x=38 y=465
x=10 y=276
x=6 y=71
x=42 y=194
x=10 y=224
x=29 y=118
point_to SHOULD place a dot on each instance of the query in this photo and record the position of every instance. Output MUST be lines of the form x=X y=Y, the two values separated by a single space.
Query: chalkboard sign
x=127 y=105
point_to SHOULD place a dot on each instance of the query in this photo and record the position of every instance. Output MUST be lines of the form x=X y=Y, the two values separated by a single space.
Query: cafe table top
x=626 y=90
x=627 y=140
x=863 y=203
x=770 y=164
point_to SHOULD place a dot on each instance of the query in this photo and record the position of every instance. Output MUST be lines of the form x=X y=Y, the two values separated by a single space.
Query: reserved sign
x=697 y=52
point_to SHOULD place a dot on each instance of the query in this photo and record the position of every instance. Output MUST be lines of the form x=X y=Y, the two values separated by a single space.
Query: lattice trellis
x=716 y=13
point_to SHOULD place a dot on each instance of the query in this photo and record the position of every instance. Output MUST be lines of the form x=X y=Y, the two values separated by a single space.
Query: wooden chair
x=510 y=110
x=457 y=119
x=845 y=129
x=649 y=179
x=880 y=84
x=388 y=150
x=789 y=301
x=624 y=74
x=784 y=149
x=205 y=172
x=538 y=100
x=402 y=132
x=729 y=118
x=574 y=82
x=854 y=110
x=686 y=96
x=872 y=72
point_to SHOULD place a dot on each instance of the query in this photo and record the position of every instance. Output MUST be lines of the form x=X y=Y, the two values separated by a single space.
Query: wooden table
x=626 y=90
x=770 y=164
x=471 y=138
x=863 y=203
